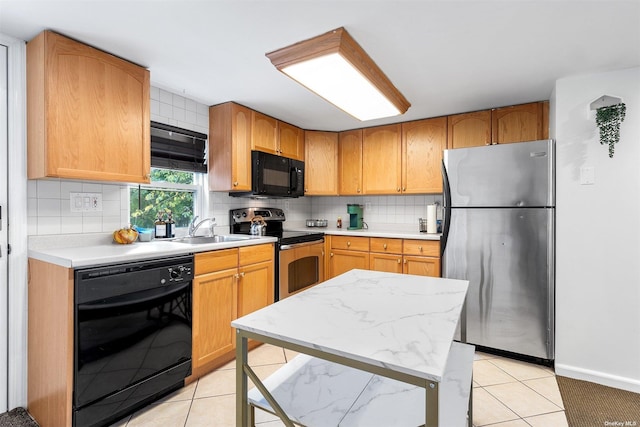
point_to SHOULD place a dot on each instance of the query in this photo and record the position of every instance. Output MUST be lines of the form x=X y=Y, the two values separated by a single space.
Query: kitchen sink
x=210 y=239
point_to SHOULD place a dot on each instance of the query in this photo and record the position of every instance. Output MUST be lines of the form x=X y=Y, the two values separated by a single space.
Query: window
x=178 y=160
x=170 y=191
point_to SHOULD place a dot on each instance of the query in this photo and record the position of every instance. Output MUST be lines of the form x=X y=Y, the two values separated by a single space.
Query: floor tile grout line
x=514 y=411
x=503 y=404
x=527 y=385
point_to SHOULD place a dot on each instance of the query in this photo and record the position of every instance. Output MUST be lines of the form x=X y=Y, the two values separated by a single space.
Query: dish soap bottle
x=160 y=226
x=339 y=222
x=170 y=223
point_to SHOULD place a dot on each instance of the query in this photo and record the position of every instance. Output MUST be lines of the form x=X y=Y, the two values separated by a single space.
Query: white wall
x=598 y=235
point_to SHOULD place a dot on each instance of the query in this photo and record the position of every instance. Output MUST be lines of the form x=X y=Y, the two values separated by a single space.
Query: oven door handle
x=299 y=245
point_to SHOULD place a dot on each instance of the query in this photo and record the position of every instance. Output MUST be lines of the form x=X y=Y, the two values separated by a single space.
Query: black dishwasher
x=132 y=336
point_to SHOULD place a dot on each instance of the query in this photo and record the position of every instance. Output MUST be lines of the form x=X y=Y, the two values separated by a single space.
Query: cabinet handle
x=488 y=143
x=398 y=189
x=384 y=246
x=404 y=188
x=235 y=183
x=405 y=261
x=242 y=274
x=331 y=254
x=420 y=248
x=398 y=260
x=236 y=276
x=358 y=190
x=348 y=243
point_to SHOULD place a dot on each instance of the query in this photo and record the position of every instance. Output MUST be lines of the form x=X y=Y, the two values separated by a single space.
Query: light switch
x=85 y=202
x=587 y=175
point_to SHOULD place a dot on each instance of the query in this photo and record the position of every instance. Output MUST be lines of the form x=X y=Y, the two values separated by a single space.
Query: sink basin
x=210 y=239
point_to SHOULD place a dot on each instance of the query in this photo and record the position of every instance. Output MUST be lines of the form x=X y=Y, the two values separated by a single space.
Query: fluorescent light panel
x=336 y=68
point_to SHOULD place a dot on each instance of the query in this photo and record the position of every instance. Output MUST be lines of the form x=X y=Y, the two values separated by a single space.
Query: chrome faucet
x=193 y=227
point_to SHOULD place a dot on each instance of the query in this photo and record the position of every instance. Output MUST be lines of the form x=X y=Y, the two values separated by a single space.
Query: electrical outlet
x=85 y=202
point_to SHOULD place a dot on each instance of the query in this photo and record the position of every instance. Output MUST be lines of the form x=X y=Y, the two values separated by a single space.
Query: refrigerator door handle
x=447 y=209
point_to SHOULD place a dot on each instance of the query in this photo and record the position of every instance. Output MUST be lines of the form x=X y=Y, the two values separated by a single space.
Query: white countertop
x=398 y=321
x=99 y=253
x=394 y=231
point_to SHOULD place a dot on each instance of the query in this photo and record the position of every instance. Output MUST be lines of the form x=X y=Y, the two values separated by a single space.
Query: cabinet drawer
x=390 y=246
x=253 y=254
x=207 y=262
x=350 y=243
x=422 y=247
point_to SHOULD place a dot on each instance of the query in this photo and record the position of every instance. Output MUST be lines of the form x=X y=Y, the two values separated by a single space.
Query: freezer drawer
x=507 y=256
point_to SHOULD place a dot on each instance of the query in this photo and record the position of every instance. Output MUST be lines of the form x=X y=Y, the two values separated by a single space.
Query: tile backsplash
x=49 y=210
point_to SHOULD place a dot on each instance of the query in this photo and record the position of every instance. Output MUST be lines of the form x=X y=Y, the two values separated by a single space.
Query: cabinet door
x=517 y=123
x=214 y=307
x=381 y=160
x=341 y=261
x=88 y=113
x=255 y=287
x=264 y=133
x=350 y=162
x=422 y=145
x=321 y=164
x=421 y=266
x=290 y=141
x=469 y=129
x=391 y=263
x=229 y=147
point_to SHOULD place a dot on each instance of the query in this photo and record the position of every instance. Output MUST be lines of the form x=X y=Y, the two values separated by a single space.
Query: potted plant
x=608 y=120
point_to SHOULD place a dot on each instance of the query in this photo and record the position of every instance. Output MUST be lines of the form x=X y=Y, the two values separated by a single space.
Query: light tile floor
x=506 y=393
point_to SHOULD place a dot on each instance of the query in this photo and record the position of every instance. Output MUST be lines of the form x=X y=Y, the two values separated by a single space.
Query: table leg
x=242 y=404
x=432 y=404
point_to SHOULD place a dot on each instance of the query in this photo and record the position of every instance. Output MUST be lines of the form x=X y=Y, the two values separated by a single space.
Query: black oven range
x=299 y=254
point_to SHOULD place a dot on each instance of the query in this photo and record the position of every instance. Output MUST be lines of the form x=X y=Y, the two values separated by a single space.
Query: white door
x=4 y=290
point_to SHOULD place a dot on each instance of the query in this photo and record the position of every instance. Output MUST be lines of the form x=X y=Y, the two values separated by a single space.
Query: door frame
x=17 y=222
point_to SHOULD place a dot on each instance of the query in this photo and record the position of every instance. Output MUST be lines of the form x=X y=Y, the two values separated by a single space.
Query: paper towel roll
x=432 y=226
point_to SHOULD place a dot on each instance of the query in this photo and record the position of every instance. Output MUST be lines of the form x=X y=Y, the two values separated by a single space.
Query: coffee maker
x=355 y=216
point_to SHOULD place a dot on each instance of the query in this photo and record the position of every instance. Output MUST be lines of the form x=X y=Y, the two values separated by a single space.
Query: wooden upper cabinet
x=321 y=164
x=290 y=141
x=350 y=162
x=422 y=144
x=229 y=147
x=264 y=133
x=517 y=123
x=469 y=129
x=87 y=113
x=381 y=159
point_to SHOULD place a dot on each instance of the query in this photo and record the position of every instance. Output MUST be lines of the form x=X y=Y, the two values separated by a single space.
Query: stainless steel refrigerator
x=499 y=234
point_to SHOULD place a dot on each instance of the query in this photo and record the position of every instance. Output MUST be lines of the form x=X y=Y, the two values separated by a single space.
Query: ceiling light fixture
x=335 y=67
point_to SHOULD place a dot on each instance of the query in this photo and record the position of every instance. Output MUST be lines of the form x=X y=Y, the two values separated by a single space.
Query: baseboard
x=602 y=378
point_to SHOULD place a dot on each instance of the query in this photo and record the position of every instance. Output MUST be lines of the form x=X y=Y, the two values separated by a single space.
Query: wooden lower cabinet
x=391 y=263
x=341 y=261
x=421 y=266
x=255 y=289
x=386 y=255
x=214 y=308
x=229 y=283
x=408 y=256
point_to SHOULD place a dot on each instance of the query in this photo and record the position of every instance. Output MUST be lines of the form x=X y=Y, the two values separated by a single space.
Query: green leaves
x=608 y=120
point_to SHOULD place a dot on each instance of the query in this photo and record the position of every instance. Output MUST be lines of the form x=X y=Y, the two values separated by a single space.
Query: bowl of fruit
x=125 y=236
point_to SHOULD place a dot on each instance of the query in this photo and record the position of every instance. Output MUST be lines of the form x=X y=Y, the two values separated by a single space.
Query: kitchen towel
x=432 y=226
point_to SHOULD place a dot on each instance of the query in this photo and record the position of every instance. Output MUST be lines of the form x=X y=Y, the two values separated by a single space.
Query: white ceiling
x=444 y=56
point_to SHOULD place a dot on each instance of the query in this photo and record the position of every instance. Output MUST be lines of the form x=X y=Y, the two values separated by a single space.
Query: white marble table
x=393 y=325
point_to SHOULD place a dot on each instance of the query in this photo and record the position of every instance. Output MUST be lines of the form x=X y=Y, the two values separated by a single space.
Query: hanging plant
x=608 y=120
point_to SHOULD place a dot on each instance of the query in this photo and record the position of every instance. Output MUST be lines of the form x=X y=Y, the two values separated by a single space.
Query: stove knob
x=175 y=274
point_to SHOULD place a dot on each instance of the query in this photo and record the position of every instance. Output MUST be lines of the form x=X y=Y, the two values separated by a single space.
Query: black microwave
x=274 y=176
